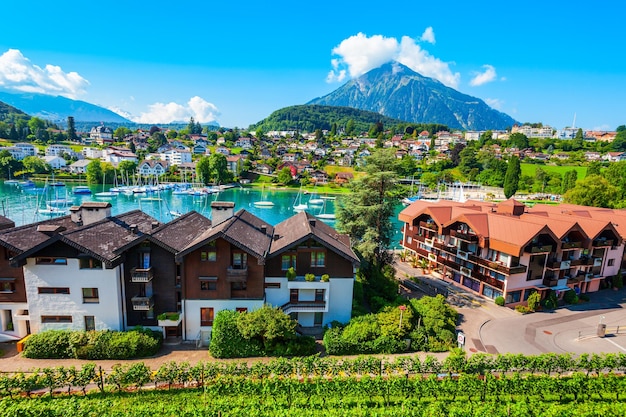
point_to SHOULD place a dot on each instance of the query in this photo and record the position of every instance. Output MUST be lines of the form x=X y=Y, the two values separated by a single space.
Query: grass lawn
x=529 y=169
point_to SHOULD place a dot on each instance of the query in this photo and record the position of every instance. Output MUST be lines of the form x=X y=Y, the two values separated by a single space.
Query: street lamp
x=402 y=308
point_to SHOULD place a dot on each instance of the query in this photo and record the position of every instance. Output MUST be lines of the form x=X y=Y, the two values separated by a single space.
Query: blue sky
x=236 y=62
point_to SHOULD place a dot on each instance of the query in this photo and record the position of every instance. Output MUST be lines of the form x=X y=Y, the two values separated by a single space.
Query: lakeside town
x=480 y=261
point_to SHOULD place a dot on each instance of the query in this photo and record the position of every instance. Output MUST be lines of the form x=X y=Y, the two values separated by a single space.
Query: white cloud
x=201 y=110
x=487 y=76
x=359 y=54
x=496 y=103
x=428 y=35
x=18 y=73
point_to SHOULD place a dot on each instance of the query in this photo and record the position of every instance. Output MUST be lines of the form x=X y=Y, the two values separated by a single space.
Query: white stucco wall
x=107 y=312
x=19 y=324
x=191 y=310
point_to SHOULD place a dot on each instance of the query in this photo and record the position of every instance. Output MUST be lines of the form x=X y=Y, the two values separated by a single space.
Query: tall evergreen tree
x=71 y=128
x=512 y=176
x=365 y=214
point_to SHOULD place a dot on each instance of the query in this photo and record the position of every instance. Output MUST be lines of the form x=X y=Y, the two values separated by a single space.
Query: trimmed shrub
x=291 y=274
x=534 y=300
x=522 y=309
x=570 y=297
x=103 y=344
x=325 y=278
x=227 y=341
x=499 y=300
x=309 y=277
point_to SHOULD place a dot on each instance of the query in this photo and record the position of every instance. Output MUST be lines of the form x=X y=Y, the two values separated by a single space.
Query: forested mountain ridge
x=310 y=117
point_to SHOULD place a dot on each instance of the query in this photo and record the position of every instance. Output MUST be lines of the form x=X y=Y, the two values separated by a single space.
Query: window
x=53 y=290
x=56 y=319
x=513 y=296
x=288 y=261
x=51 y=261
x=90 y=296
x=206 y=316
x=319 y=295
x=318 y=259
x=318 y=318
x=240 y=260
x=209 y=253
x=241 y=309
x=7 y=285
x=90 y=323
x=87 y=262
x=208 y=283
x=611 y=262
x=238 y=286
x=273 y=285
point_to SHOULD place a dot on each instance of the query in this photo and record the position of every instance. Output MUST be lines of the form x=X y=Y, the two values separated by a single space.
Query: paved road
x=493 y=329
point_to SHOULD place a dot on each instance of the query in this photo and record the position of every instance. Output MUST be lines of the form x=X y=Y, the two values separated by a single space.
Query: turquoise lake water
x=21 y=204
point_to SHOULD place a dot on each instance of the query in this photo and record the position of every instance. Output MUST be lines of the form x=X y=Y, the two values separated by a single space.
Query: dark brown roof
x=22 y=238
x=107 y=239
x=6 y=223
x=304 y=226
x=180 y=232
x=243 y=230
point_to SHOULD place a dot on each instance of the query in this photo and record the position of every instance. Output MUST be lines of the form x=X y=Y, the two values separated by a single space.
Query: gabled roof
x=24 y=238
x=180 y=232
x=303 y=226
x=107 y=239
x=243 y=230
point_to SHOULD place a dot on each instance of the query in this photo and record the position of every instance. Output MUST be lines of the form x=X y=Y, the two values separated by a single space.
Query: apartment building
x=510 y=250
x=91 y=270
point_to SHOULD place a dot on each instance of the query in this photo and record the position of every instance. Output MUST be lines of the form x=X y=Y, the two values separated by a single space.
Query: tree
x=267 y=324
x=71 y=129
x=284 y=176
x=121 y=132
x=203 y=169
x=36 y=126
x=518 y=140
x=569 y=181
x=94 y=172
x=619 y=143
x=350 y=127
x=594 y=168
x=594 y=191
x=35 y=165
x=512 y=176
x=366 y=213
x=219 y=169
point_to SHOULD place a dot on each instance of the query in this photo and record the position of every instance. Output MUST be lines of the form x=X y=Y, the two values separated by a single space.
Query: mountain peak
x=396 y=91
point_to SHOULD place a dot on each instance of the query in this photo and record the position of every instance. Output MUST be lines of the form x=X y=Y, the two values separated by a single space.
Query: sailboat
x=298 y=205
x=105 y=194
x=55 y=209
x=315 y=200
x=263 y=202
x=11 y=181
x=323 y=215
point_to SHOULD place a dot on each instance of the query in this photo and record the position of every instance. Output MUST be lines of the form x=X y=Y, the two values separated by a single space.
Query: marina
x=23 y=205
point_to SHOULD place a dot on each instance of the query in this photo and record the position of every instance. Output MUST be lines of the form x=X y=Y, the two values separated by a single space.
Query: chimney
x=93 y=211
x=75 y=215
x=155 y=225
x=276 y=236
x=134 y=228
x=221 y=211
x=264 y=229
x=312 y=222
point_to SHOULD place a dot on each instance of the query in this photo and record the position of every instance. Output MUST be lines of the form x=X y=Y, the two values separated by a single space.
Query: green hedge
x=103 y=344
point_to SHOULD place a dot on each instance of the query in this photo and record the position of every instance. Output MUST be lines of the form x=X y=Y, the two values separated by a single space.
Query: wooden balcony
x=468 y=237
x=497 y=266
x=236 y=274
x=602 y=242
x=429 y=226
x=550 y=282
x=538 y=248
x=571 y=245
x=141 y=275
x=142 y=303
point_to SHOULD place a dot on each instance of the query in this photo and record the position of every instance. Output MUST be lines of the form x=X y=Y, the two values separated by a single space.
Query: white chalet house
x=151 y=167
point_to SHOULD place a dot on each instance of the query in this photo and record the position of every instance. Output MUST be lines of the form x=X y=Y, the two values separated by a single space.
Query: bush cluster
x=102 y=344
x=428 y=323
x=263 y=332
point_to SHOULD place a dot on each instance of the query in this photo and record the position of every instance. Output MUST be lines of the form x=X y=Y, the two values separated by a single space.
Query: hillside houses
x=91 y=270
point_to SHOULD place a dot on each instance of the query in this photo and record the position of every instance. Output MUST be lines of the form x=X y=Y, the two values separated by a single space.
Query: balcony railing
x=517 y=269
x=236 y=274
x=539 y=248
x=141 y=274
x=429 y=226
x=142 y=303
x=304 y=307
x=550 y=282
x=470 y=237
x=571 y=245
x=603 y=242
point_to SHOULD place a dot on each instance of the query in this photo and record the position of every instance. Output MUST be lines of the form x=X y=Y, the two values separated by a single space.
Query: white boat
x=82 y=189
x=175 y=213
x=263 y=202
x=298 y=205
x=11 y=181
x=325 y=216
x=52 y=211
x=315 y=200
